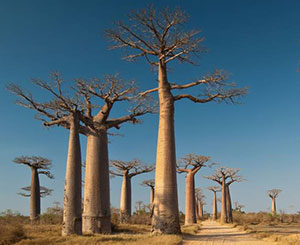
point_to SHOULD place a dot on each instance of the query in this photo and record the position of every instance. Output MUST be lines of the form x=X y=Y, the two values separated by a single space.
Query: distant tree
x=56 y=209
x=191 y=164
x=151 y=184
x=65 y=111
x=238 y=207
x=225 y=177
x=38 y=165
x=273 y=194
x=76 y=113
x=160 y=36
x=214 y=189
x=200 y=202
x=127 y=170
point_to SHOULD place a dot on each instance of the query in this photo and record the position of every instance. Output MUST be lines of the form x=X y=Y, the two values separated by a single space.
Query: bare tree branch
x=274 y=193
x=192 y=163
x=132 y=168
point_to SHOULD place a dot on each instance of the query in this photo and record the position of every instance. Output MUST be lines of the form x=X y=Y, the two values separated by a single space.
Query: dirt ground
x=212 y=233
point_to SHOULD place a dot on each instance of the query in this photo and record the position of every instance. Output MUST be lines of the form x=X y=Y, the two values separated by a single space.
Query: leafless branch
x=159 y=34
x=192 y=163
x=131 y=168
x=274 y=193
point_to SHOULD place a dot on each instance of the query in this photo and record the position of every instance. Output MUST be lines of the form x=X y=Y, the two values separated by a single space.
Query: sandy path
x=212 y=233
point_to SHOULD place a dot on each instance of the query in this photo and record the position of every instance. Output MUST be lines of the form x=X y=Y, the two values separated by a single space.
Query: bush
x=13 y=217
x=51 y=219
x=264 y=218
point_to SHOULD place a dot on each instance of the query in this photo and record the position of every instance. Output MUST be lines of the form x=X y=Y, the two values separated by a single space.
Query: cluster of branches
x=132 y=168
x=57 y=110
x=43 y=165
x=44 y=191
x=163 y=36
x=192 y=163
x=230 y=175
x=274 y=193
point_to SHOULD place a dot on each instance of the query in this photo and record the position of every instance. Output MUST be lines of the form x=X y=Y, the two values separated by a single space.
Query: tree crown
x=43 y=165
x=274 y=193
x=130 y=168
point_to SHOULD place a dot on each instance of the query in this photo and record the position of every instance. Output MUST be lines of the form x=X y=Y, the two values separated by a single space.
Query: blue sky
x=256 y=41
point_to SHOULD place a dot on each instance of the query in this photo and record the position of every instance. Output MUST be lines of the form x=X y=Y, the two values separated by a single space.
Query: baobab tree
x=67 y=112
x=214 y=189
x=38 y=165
x=160 y=37
x=75 y=113
x=199 y=202
x=225 y=177
x=151 y=184
x=111 y=91
x=273 y=194
x=191 y=164
x=127 y=170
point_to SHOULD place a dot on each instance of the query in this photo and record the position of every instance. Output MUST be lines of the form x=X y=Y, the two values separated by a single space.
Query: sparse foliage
x=225 y=177
x=161 y=36
x=127 y=170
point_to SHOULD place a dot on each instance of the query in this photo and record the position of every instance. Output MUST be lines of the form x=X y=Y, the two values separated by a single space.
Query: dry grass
x=287 y=240
x=124 y=234
x=281 y=233
x=190 y=229
x=10 y=234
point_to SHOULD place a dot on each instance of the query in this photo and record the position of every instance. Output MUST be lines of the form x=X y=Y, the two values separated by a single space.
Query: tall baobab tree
x=75 y=114
x=113 y=90
x=214 y=189
x=225 y=177
x=161 y=36
x=127 y=170
x=38 y=165
x=151 y=184
x=199 y=202
x=44 y=191
x=67 y=112
x=191 y=164
x=273 y=194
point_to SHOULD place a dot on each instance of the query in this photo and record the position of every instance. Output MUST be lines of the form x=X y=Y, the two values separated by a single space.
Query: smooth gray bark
x=125 y=202
x=165 y=217
x=72 y=219
x=215 y=207
x=228 y=205
x=35 y=199
x=96 y=212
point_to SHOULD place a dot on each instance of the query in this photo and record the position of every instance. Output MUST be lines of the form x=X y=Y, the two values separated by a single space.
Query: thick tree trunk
x=223 y=210
x=190 y=212
x=151 y=197
x=96 y=212
x=200 y=209
x=35 y=198
x=228 y=205
x=274 y=206
x=72 y=219
x=215 y=207
x=165 y=217
x=196 y=209
x=125 y=202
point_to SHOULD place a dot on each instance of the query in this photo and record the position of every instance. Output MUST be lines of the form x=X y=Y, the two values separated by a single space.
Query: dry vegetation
x=282 y=228
x=16 y=229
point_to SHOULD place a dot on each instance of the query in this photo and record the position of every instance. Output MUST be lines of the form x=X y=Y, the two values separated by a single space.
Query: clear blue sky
x=256 y=41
